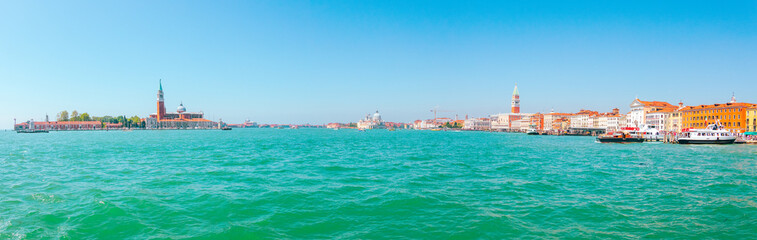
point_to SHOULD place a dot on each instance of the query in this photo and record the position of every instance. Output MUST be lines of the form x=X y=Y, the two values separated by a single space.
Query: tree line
x=130 y=122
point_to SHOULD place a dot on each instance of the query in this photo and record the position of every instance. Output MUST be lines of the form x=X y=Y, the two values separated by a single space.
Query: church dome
x=181 y=108
x=376 y=116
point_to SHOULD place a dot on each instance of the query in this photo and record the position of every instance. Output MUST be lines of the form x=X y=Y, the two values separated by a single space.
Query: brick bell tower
x=161 y=106
x=515 y=108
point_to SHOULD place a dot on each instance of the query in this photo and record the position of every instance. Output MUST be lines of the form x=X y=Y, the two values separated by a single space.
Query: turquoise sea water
x=319 y=183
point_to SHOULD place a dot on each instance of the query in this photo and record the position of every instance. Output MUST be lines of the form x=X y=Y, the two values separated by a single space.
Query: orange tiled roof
x=664 y=109
x=718 y=105
x=655 y=103
x=185 y=120
x=587 y=112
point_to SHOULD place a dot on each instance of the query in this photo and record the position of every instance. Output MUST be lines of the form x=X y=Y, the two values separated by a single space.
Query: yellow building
x=673 y=121
x=751 y=120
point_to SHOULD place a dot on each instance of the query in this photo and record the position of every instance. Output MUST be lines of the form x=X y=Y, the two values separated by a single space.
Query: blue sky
x=335 y=61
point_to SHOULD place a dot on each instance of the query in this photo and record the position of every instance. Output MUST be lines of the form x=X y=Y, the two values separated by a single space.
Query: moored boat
x=713 y=134
x=650 y=133
x=620 y=137
x=32 y=131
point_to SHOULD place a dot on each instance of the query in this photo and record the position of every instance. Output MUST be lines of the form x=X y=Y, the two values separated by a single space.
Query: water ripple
x=314 y=183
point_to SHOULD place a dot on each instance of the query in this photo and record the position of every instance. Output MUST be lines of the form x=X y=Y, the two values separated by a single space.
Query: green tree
x=63 y=116
x=134 y=121
x=85 y=117
x=75 y=116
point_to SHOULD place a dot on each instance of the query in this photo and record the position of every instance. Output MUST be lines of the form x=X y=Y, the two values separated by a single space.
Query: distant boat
x=532 y=131
x=226 y=128
x=32 y=131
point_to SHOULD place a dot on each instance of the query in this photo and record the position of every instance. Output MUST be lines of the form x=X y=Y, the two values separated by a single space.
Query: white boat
x=532 y=131
x=713 y=134
x=650 y=133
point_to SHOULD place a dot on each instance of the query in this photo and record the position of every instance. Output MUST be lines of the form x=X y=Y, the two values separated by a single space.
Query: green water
x=318 y=183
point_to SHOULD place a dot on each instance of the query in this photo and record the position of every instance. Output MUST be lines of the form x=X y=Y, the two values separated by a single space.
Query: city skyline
x=289 y=62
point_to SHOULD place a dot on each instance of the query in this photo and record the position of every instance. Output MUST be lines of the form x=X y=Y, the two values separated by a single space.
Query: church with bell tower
x=515 y=104
x=181 y=119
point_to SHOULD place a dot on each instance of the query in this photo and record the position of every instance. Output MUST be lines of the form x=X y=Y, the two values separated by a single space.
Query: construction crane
x=435 y=110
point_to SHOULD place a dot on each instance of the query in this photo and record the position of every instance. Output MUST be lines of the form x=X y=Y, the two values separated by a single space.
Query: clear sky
x=335 y=61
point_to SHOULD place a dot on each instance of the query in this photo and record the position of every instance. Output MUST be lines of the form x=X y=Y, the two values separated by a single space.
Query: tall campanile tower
x=161 y=106
x=516 y=101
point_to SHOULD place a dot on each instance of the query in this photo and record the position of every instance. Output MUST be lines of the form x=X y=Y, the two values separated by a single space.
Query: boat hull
x=705 y=141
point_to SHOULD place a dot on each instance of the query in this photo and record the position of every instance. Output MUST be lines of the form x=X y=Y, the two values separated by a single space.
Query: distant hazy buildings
x=246 y=124
x=58 y=125
x=374 y=122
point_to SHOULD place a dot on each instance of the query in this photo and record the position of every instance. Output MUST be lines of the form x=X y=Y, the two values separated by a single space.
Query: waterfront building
x=425 y=124
x=732 y=115
x=751 y=119
x=503 y=121
x=583 y=119
x=181 y=119
x=480 y=124
x=536 y=121
x=639 y=109
x=59 y=126
x=550 y=118
x=522 y=124
x=614 y=121
x=397 y=125
x=656 y=119
x=561 y=124
x=673 y=119
x=371 y=122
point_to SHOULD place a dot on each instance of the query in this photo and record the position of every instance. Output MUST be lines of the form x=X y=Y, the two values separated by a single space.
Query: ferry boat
x=621 y=137
x=713 y=134
x=532 y=131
